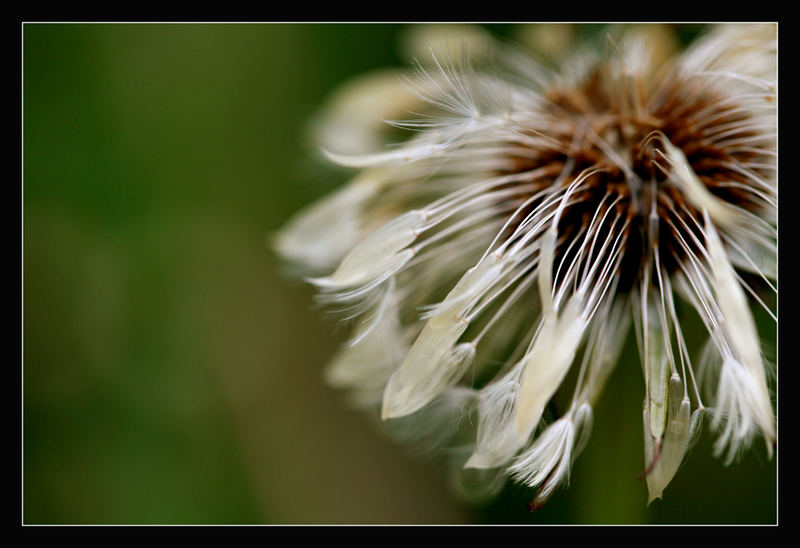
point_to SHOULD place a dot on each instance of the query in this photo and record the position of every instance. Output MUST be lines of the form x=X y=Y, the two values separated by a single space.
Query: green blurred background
x=171 y=372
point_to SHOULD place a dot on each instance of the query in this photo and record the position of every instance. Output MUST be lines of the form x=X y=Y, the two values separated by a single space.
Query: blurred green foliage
x=171 y=373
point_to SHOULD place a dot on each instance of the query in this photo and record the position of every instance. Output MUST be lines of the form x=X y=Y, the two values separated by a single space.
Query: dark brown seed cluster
x=610 y=122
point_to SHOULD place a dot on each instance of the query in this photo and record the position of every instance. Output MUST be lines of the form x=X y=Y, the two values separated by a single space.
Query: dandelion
x=528 y=218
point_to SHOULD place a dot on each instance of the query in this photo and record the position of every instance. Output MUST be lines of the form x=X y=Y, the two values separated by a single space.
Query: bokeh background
x=171 y=371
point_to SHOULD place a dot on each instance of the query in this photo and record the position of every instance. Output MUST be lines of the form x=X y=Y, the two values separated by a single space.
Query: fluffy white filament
x=548 y=363
x=547 y=463
x=743 y=396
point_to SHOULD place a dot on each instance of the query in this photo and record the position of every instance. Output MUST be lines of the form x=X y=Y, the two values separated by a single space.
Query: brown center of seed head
x=605 y=123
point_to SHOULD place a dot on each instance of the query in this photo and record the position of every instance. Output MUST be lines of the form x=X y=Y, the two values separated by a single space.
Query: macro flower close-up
x=507 y=222
x=399 y=273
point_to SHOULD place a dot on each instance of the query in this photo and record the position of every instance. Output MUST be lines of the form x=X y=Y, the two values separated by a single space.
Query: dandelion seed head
x=530 y=216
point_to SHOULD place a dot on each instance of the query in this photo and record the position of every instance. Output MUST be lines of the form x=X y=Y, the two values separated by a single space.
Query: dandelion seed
x=530 y=218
